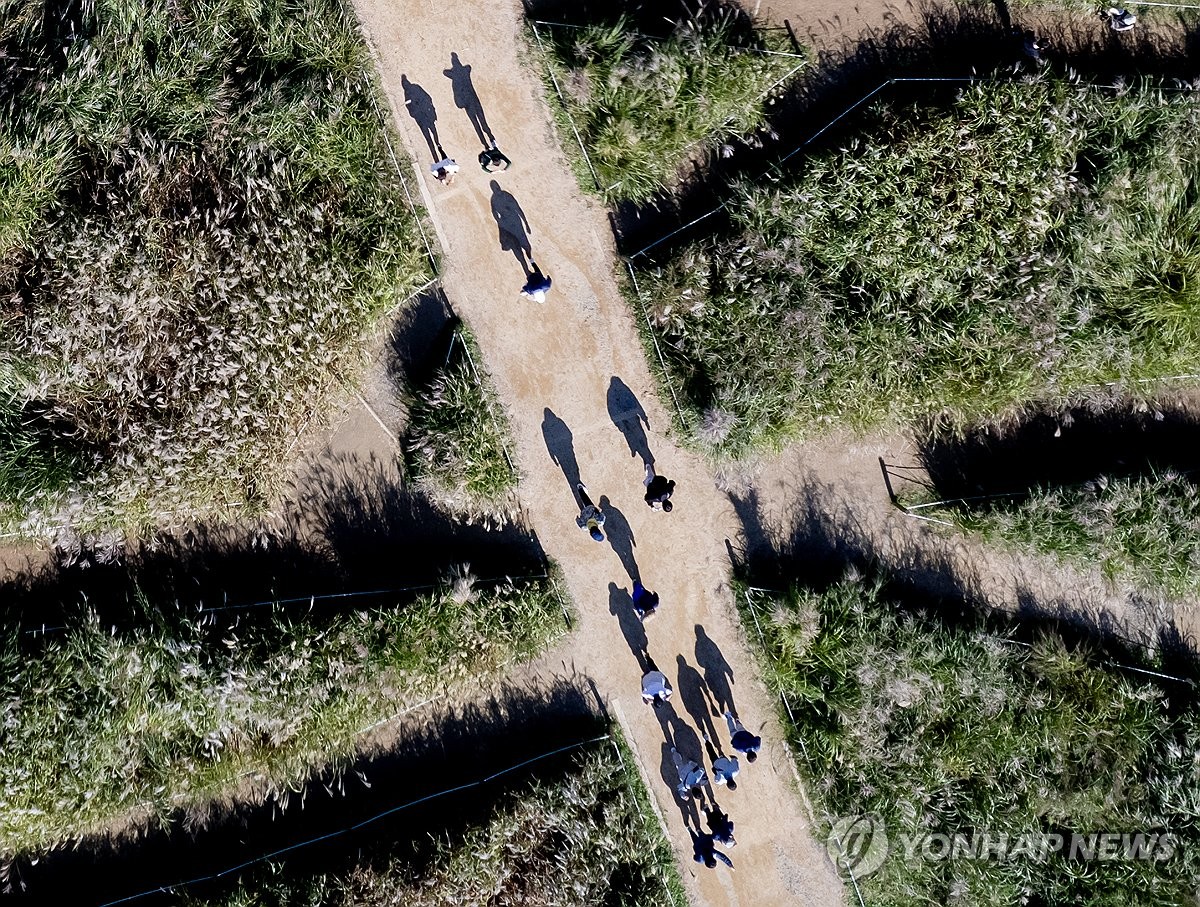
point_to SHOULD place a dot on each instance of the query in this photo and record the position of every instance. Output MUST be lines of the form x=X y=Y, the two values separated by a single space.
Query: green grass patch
x=1027 y=239
x=201 y=225
x=32 y=459
x=175 y=708
x=454 y=448
x=583 y=837
x=959 y=728
x=645 y=106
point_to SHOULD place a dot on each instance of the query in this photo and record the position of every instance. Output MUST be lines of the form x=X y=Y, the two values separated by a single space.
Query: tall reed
x=645 y=106
x=959 y=726
x=201 y=224
x=1029 y=239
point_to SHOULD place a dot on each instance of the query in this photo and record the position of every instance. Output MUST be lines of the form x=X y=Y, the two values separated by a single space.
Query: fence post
x=887 y=482
x=792 y=34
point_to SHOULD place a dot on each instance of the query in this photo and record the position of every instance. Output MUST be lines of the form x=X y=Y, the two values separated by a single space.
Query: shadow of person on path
x=689 y=686
x=688 y=808
x=620 y=605
x=513 y=227
x=620 y=536
x=687 y=741
x=718 y=675
x=630 y=418
x=665 y=713
x=467 y=100
x=421 y=109
x=561 y=445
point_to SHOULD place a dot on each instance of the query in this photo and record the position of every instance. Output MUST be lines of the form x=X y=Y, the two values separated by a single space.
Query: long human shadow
x=421 y=109
x=685 y=739
x=466 y=99
x=670 y=775
x=561 y=445
x=512 y=226
x=452 y=747
x=620 y=536
x=718 y=675
x=630 y=418
x=620 y=605
x=690 y=688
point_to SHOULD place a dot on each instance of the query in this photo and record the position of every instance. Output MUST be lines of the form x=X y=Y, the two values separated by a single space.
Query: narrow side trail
x=554 y=367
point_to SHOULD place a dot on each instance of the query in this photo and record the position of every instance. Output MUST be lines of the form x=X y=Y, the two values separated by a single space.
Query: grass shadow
x=419 y=340
x=352 y=528
x=451 y=748
x=1048 y=446
x=955 y=41
x=821 y=540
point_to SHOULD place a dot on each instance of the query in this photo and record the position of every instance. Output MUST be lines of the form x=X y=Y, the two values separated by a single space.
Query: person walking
x=590 y=516
x=1119 y=19
x=704 y=851
x=725 y=768
x=720 y=825
x=645 y=602
x=741 y=739
x=692 y=777
x=538 y=284
x=445 y=170
x=656 y=689
x=658 y=490
x=492 y=160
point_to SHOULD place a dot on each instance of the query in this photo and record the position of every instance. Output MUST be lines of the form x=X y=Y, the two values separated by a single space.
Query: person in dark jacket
x=658 y=490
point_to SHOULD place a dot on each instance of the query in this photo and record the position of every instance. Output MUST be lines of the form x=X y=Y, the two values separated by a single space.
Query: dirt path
x=552 y=367
x=838 y=480
x=827 y=24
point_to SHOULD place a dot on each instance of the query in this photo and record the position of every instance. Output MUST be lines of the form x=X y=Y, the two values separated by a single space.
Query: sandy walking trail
x=554 y=368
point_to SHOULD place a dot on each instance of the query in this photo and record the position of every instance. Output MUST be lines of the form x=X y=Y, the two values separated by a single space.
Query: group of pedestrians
x=695 y=781
x=492 y=160
x=694 y=784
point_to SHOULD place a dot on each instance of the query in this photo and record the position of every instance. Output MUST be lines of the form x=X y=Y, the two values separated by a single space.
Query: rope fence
x=219 y=784
x=777 y=167
x=637 y=291
x=857 y=104
x=202 y=611
x=487 y=398
x=217 y=876
x=563 y=102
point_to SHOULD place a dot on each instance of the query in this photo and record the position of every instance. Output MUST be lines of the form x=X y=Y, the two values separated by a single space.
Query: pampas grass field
x=201 y=225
